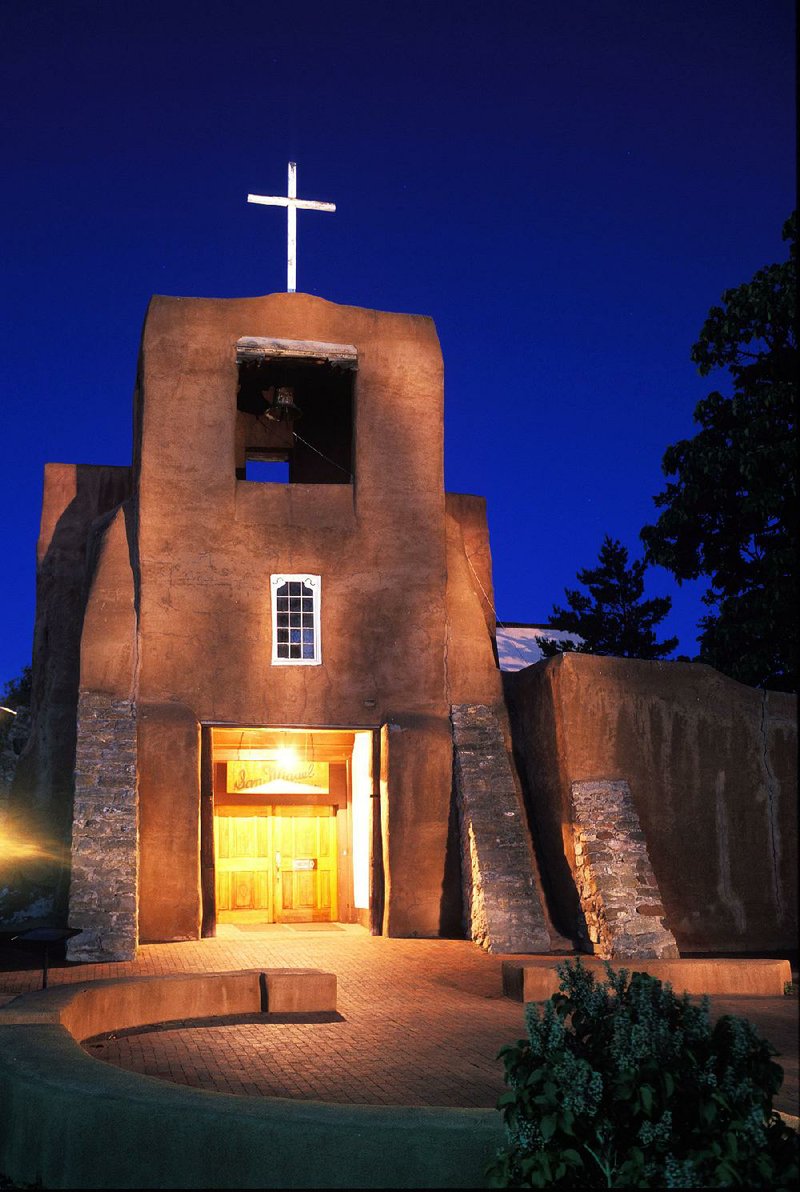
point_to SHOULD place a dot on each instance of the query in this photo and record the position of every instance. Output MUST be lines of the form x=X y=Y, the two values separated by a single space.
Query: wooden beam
x=262 y=348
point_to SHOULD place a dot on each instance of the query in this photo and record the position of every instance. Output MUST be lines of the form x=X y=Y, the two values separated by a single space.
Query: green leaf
x=548 y=1125
x=566 y=1121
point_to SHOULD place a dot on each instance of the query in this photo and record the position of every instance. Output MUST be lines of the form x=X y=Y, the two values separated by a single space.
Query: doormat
x=260 y=927
x=271 y=928
x=314 y=926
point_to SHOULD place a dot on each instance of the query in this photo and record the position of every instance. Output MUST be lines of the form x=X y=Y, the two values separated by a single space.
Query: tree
x=613 y=618
x=731 y=512
x=18 y=691
x=15 y=694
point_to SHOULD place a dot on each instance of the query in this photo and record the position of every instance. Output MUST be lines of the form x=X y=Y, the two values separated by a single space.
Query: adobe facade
x=266 y=684
x=179 y=681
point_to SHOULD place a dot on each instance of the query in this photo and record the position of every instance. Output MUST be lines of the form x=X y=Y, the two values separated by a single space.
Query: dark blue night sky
x=565 y=187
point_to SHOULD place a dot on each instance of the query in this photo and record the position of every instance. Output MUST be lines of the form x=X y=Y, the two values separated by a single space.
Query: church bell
x=282 y=408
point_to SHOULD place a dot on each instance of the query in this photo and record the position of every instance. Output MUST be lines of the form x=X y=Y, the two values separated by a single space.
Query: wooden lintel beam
x=258 y=348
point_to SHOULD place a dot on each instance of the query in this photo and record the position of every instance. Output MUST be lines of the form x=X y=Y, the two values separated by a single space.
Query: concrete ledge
x=89 y=1008
x=72 y=1121
x=95 y=1007
x=300 y=991
x=536 y=979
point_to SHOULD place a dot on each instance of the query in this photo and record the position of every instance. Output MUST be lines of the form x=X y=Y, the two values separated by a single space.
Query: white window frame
x=314 y=582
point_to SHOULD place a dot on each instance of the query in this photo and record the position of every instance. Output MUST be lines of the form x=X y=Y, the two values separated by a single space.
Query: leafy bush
x=622 y=1084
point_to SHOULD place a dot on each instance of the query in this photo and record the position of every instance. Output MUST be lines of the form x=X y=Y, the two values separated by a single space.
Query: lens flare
x=288 y=759
x=15 y=846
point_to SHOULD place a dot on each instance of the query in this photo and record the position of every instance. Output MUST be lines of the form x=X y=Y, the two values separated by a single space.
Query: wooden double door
x=275 y=864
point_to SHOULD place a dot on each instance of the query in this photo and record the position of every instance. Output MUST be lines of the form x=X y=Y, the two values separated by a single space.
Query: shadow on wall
x=78 y=502
x=452 y=905
x=541 y=792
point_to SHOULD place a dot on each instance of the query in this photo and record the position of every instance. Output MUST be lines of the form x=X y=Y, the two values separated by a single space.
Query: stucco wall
x=208 y=544
x=169 y=822
x=472 y=674
x=712 y=769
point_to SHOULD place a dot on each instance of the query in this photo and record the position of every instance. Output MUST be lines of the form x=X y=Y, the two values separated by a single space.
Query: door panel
x=243 y=858
x=304 y=840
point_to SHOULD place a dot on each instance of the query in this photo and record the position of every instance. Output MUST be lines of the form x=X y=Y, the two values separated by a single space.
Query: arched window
x=296 y=620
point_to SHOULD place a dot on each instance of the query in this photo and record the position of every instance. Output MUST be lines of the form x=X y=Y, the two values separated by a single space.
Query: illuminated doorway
x=305 y=870
x=291 y=829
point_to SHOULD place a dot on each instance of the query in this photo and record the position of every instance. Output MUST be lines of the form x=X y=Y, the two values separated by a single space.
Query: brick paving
x=419 y=1022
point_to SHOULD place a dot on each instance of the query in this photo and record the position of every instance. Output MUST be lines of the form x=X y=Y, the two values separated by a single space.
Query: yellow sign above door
x=276 y=778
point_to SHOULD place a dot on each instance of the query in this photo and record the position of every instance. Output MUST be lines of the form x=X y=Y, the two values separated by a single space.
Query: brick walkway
x=419 y=1022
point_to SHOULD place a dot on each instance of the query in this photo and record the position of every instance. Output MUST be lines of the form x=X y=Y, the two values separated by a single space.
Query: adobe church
x=269 y=685
x=278 y=608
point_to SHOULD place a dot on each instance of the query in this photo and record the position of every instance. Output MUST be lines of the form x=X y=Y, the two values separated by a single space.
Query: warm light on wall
x=361 y=771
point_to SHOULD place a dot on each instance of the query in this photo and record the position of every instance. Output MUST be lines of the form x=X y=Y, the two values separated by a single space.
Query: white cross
x=291 y=203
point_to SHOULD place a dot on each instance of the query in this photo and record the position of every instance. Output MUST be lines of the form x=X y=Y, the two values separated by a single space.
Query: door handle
x=278 y=860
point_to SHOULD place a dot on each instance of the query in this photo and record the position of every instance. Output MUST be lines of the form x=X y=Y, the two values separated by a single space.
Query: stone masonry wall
x=103 y=887
x=501 y=900
x=616 y=884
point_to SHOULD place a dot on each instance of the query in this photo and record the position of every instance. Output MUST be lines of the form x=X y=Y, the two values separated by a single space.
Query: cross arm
x=268 y=200
x=312 y=205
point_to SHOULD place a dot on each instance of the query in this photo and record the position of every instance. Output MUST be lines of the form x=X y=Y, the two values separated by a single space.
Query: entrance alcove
x=287 y=836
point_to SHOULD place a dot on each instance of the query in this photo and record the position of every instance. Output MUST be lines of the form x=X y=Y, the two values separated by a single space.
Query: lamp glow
x=288 y=759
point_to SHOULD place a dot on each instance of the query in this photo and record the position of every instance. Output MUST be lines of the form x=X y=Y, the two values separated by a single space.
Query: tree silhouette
x=731 y=511
x=613 y=617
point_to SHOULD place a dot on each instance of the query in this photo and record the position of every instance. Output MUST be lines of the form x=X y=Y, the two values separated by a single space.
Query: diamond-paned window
x=295 y=620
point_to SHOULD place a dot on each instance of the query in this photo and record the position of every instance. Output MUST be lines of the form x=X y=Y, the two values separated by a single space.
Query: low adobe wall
x=712 y=770
x=72 y=1121
x=537 y=978
x=95 y=1007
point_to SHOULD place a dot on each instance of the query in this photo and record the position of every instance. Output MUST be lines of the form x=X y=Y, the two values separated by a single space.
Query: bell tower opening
x=294 y=411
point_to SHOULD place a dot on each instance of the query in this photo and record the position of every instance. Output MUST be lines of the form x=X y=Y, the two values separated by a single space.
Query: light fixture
x=287 y=758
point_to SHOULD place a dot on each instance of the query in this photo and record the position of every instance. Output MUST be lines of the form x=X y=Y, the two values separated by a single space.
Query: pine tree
x=613 y=617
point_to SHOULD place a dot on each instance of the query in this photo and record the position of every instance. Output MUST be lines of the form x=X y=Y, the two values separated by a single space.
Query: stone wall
x=503 y=909
x=102 y=900
x=617 y=887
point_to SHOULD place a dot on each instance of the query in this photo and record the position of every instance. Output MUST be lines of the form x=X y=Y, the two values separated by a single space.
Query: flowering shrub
x=622 y=1084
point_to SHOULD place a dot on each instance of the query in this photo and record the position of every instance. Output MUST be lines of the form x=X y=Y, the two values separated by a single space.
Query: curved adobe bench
x=72 y=1121
x=95 y=1007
